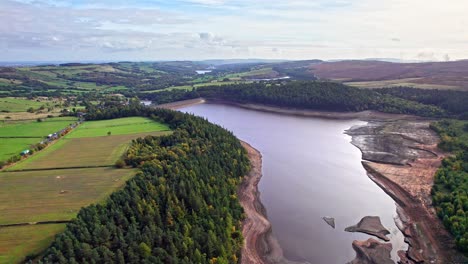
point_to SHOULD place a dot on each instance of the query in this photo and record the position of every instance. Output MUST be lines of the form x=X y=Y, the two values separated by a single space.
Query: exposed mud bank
x=370 y=225
x=364 y=115
x=181 y=104
x=372 y=251
x=401 y=156
x=260 y=246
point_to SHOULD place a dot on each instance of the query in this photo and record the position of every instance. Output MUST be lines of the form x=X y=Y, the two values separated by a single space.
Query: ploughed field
x=53 y=184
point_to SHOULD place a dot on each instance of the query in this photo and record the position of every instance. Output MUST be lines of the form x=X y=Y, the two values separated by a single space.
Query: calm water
x=310 y=170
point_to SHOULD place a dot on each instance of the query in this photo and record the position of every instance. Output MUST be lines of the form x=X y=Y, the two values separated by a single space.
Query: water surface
x=310 y=170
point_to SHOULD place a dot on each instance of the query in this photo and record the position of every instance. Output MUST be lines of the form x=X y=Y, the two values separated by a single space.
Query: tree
x=120 y=164
x=144 y=249
x=164 y=213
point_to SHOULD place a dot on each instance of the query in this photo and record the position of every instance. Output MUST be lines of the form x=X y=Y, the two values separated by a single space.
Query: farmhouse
x=24 y=152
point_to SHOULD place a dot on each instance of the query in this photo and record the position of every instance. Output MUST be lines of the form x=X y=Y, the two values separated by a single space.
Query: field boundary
x=61 y=168
x=21 y=137
x=37 y=223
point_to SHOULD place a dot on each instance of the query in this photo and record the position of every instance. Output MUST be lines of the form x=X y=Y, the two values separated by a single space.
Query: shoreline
x=260 y=245
x=424 y=233
x=181 y=104
x=408 y=181
x=363 y=115
x=427 y=239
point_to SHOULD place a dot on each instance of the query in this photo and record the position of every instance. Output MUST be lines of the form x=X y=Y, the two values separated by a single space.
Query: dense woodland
x=164 y=97
x=181 y=207
x=450 y=191
x=455 y=102
x=320 y=96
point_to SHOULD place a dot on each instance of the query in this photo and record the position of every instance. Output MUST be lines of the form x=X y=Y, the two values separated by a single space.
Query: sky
x=148 y=30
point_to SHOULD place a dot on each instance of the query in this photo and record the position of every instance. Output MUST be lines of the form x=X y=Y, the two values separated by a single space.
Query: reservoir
x=310 y=170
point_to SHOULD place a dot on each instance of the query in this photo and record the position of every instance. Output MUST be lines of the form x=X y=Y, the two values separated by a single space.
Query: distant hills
x=376 y=74
x=367 y=73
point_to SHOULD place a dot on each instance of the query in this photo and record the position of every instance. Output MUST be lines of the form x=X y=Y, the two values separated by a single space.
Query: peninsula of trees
x=181 y=207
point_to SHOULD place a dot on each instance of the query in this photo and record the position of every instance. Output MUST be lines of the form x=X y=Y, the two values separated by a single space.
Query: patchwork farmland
x=51 y=186
x=17 y=136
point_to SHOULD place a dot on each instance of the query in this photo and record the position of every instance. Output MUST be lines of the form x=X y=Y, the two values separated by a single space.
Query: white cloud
x=196 y=29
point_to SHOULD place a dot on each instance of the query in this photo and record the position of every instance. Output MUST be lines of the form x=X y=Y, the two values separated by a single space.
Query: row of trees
x=321 y=96
x=450 y=190
x=181 y=207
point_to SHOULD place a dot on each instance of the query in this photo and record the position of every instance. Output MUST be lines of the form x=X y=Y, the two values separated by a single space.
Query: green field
x=81 y=152
x=34 y=128
x=121 y=126
x=18 y=105
x=65 y=178
x=18 y=242
x=13 y=146
x=253 y=73
x=189 y=87
x=33 y=196
x=11 y=133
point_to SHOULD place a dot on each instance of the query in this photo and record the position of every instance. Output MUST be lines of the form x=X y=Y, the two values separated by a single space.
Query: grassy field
x=64 y=182
x=12 y=146
x=18 y=242
x=18 y=105
x=80 y=152
x=48 y=195
x=18 y=116
x=189 y=87
x=121 y=126
x=34 y=128
x=253 y=73
x=397 y=83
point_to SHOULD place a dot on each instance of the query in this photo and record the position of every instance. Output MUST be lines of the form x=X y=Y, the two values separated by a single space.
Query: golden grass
x=408 y=82
x=81 y=152
x=18 y=242
x=50 y=195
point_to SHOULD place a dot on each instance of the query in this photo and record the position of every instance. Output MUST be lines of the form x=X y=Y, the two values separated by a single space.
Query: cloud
x=197 y=29
x=207 y=2
x=42 y=25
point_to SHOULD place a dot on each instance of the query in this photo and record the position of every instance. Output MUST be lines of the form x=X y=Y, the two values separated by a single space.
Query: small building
x=24 y=152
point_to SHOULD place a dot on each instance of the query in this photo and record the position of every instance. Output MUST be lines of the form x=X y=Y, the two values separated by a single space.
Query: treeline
x=454 y=102
x=450 y=190
x=327 y=96
x=164 y=97
x=181 y=207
